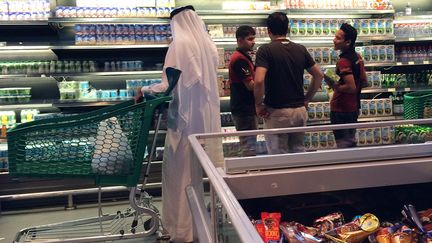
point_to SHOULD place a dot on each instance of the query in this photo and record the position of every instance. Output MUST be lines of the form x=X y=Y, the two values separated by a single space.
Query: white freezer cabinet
x=238 y=174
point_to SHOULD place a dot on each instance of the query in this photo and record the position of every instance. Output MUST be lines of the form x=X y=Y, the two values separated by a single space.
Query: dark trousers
x=243 y=123
x=345 y=138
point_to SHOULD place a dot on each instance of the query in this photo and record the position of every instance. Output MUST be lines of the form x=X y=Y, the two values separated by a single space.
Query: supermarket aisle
x=12 y=222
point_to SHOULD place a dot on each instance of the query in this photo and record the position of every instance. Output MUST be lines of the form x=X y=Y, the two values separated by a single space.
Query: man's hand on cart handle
x=139 y=96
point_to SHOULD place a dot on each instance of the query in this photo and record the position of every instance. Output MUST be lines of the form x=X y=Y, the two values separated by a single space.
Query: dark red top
x=350 y=62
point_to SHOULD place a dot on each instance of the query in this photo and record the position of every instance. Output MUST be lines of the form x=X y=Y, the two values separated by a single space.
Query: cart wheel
x=151 y=225
x=122 y=232
x=133 y=230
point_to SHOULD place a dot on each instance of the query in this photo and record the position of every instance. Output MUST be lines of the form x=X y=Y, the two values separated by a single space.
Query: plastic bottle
x=403 y=55
x=408 y=9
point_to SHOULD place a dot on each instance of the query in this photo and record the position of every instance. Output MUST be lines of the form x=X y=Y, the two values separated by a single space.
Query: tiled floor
x=12 y=222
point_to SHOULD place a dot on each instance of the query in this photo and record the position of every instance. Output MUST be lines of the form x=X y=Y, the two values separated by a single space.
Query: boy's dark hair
x=277 y=23
x=350 y=33
x=244 y=31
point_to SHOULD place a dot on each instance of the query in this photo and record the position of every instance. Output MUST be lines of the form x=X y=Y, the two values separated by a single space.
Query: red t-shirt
x=344 y=102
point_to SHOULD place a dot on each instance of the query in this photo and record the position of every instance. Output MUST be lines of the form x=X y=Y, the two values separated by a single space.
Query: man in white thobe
x=194 y=109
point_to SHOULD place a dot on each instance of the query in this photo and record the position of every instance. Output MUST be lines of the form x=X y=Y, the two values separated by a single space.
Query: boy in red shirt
x=345 y=103
x=241 y=75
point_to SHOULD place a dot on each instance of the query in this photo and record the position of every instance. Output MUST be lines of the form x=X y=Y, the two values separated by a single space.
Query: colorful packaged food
x=328 y=222
x=355 y=231
x=271 y=223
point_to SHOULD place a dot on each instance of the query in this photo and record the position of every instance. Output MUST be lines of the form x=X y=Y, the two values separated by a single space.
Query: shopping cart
x=107 y=145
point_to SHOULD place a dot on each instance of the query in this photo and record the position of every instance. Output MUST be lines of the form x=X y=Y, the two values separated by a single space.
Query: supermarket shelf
x=25 y=106
x=382 y=90
x=412 y=39
x=114 y=46
x=71 y=21
x=26 y=47
x=372 y=64
x=86 y=103
x=360 y=119
x=24 y=23
x=412 y=63
x=290 y=12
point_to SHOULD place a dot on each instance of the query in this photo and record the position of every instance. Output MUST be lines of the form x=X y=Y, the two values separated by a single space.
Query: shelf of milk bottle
x=24 y=22
x=72 y=21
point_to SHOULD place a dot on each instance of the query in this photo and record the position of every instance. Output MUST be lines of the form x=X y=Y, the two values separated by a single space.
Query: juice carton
x=311 y=52
x=369 y=136
x=361 y=135
x=357 y=25
x=334 y=56
x=369 y=76
x=326 y=27
x=390 y=52
x=372 y=108
x=364 y=27
x=331 y=141
x=319 y=111
x=318 y=55
x=374 y=53
x=311 y=111
x=315 y=140
x=307 y=140
x=310 y=27
x=294 y=27
x=389 y=26
x=382 y=53
x=334 y=26
x=385 y=135
x=364 y=108
x=302 y=27
x=380 y=107
x=367 y=55
x=381 y=26
x=376 y=79
x=326 y=56
x=377 y=135
x=326 y=107
x=323 y=140
x=388 y=107
x=318 y=27
x=373 y=26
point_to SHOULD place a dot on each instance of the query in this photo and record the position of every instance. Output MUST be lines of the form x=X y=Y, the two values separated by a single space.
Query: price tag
x=392 y=90
x=398 y=64
x=410 y=63
x=407 y=89
x=411 y=39
x=425 y=62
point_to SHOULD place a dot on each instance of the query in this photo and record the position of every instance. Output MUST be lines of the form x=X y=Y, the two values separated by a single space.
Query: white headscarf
x=195 y=54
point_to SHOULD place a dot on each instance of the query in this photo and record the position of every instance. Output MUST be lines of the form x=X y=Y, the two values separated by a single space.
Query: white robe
x=194 y=109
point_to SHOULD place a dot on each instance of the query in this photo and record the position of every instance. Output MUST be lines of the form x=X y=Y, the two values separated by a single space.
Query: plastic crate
x=107 y=145
x=415 y=103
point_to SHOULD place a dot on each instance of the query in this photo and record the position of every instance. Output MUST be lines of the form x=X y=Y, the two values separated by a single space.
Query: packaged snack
x=318 y=55
x=369 y=136
x=367 y=55
x=259 y=226
x=331 y=141
x=315 y=140
x=326 y=108
x=388 y=107
x=297 y=233
x=381 y=26
x=374 y=53
x=390 y=53
x=355 y=231
x=334 y=26
x=377 y=135
x=307 y=140
x=328 y=222
x=361 y=134
x=271 y=224
x=385 y=135
x=326 y=56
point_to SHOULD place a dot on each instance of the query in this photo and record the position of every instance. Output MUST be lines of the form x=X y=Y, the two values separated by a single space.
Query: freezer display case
x=346 y=194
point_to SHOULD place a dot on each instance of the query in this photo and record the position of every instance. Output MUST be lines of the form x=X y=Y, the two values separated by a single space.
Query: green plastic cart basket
x=415 y=103
x=107 y=145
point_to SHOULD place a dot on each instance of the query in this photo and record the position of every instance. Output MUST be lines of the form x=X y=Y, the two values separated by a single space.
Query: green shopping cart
x=107 y=145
